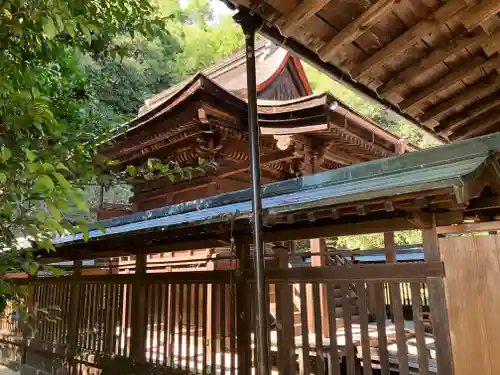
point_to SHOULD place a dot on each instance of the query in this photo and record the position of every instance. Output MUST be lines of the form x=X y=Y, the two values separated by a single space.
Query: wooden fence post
x=243 y=318
x=138 y=332
x=438 y=306
x=74 y=315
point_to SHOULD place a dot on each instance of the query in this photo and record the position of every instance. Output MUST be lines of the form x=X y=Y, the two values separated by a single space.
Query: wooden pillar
x=243 y=318
x=390 y=257
x=390 y=247
x=437 y=301
x=285 y=314
x=318 y=245
x=138 y=314
x=74 y=315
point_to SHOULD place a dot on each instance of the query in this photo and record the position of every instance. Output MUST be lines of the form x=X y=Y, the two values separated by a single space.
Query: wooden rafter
x=458 y=120
x=357 y=27
x=444 y=13
x=492 y=44
x=473 y=66
x=300 y=14
x=480 y=89
x=480 y=13
x=434 y=58
x=479 y=127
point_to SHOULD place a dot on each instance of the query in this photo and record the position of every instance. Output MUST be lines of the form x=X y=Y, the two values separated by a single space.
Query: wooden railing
x=202 y=322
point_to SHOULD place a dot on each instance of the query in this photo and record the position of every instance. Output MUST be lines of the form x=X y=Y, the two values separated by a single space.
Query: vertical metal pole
x=249 y=27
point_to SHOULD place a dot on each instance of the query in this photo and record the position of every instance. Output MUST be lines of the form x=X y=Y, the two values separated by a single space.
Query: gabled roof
x=230 y=74
x=445 y=177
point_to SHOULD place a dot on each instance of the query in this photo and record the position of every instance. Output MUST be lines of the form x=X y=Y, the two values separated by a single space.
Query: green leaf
x=86 y=32
x=5 y=153
x=49 y=28
x=62 y=180
x=44 y=183
x=3 y=178
x=131 y=170
x=84 y=228
x=60 y=166
x=30 y=155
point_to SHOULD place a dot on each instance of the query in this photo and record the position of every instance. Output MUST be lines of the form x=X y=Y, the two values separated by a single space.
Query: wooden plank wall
x=472 y=266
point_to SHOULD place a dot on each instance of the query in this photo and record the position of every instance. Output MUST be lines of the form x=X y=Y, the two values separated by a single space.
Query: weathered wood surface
x=473 y=304
x=412 y=56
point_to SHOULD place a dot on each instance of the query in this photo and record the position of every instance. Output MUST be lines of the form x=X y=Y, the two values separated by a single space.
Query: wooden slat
x=159 y=301
x=188 y=325
x=357 y=272
x=480 y=13
x=150 y=301
x=180 y=323
x=300 y=15
x=280 y=330
x=356 y=28
x=363 y=320
x=434 y=58
x=222 y=326
x=305 y=364
x=437 y=302
x=477 y=127
x=492 y=45
x=397 y=313
x=334 y=366
x=171 y=323
x=213 y=327
x=398 y=45
x=197 y=327
x=318 y=331
x=423 y=355
x=124 y=293
x=232 y=328
x=461 y=118
x=476 y=64
x=166 y=317
x=381 y=329
x=204 y=315
x=480 y=89
x=347 y=316
x=243 y=308
x=128 y=320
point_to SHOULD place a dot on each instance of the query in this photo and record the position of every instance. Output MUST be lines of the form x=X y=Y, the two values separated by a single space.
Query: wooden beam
x=458 y=120
x=362 y=227
x=434 y=58
x=480 y=13
x=356 y=28
x=357 y=272
x=478 y=90
x=299 y=15
x=479 y=127
x=474 y=65
x=469 y=228
x=484 y=204
x=492 y=45
x=405 y=40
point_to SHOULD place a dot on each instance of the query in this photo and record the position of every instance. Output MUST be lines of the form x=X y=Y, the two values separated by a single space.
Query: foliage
x=50 y=119
x=321 y=83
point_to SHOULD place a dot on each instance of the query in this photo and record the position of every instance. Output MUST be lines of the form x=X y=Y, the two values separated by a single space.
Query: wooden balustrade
x=201 y=322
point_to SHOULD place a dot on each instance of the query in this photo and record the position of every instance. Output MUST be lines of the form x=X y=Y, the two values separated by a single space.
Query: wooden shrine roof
x=230 y=73
x=435 y=62
x=206 y=117
x=385 y=194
